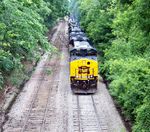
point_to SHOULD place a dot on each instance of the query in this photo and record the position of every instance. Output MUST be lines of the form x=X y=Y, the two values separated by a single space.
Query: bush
x=143 y=117
x=6 y=61
x=129 y=82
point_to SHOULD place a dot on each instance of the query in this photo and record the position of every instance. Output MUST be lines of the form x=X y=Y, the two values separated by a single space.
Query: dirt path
x=47 y=104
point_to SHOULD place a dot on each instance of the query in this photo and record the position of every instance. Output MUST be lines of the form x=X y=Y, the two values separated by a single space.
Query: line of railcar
x=83 y=60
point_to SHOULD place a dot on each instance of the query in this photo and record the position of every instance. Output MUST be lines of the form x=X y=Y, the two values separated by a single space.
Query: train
x=83 y=60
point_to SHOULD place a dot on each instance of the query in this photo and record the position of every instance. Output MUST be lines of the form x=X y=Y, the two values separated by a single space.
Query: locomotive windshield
x=83 y=52
x=92 y=52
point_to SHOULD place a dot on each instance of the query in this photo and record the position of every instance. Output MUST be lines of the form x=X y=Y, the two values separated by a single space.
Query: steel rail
x=79 y=114
x=96 y=112
x=46 y=108
x=32 y=103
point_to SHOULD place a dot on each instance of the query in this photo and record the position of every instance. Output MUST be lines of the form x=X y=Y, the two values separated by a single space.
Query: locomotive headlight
x=88 y=63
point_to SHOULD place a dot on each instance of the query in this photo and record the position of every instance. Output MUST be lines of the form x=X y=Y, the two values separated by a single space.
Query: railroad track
x=46 y=113
x=37 y=113
x=31 y=107
x=86 y=116
x=38 y=123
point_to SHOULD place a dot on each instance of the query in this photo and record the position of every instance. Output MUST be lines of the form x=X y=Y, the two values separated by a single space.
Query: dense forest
x=120 y=30
x=23 y=27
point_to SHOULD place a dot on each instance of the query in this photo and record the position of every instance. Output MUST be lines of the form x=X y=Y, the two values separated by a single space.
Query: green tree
x=23 y=24
x=120 y=28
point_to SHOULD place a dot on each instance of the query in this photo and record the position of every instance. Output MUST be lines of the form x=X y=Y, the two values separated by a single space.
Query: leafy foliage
x=22 y=30
x=96 y=20
x=59 y=8
x=121 y=30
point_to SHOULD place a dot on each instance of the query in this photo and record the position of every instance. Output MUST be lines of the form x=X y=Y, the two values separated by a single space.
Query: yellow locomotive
x=83 y=67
